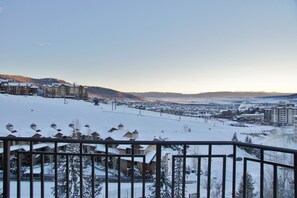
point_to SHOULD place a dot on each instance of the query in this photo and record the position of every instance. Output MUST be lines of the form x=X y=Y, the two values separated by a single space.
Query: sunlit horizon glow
x=168 y=46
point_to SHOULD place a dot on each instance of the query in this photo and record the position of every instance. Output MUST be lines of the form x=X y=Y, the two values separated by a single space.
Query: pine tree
x=74 y=175
x=249 y=185
x=164 y=180
x=234 y=138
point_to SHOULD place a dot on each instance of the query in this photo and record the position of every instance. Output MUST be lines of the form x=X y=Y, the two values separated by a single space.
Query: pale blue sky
x=186 y=46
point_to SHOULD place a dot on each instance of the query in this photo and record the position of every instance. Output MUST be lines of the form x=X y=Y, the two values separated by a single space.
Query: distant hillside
x=284 y=97
x=94 y=92
x=105 y=93
x=42 y=81
x=223 y=94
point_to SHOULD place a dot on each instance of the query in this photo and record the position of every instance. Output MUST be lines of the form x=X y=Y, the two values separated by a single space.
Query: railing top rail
x=154 y=142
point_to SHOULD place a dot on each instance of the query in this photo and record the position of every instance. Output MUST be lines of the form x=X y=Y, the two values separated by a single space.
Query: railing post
x=158 y=171
x=6 y=168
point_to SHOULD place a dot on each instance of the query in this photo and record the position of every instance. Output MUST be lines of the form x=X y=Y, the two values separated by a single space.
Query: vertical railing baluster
x=67 y=176
x=132 y=172
x=19 y=166
x=224 y=177
x=295 y=175
x=234 y=171
x=143 y=176
x=173 y=173
x=275 y=181
x=56 y=169
x=262 y=174
x=184 y=171
x=198 y=177
x=244 y=177
x=158 y=171
x=93 y=177
x=81 y=169
x=119 y=177
x=106 y=170
x=31 y=170
x=6 y=168
x=209 y=170
x=42 y=176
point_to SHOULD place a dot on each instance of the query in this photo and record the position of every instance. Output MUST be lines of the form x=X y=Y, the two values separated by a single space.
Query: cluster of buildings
x=148 y=161
x=54 y=90
x=282 y=114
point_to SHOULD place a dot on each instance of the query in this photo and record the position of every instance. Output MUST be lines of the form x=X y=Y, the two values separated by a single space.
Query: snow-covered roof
x=20 y=84
x=149 y=155
x=116 y=135
x=252 y=115
x=26 y=147
x=101 y=148
x=3 y=80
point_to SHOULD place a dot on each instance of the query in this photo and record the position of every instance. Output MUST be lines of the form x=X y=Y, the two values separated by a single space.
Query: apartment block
x=63 y=90
x=282 y=114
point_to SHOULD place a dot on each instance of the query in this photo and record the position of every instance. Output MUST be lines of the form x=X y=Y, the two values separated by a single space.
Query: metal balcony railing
x=225 y=163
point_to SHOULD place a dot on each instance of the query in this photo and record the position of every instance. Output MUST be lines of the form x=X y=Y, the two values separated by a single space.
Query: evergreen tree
x=234 y=138
x=178 y=178
x=164 y=180
x=249 y=187
x=74 y=175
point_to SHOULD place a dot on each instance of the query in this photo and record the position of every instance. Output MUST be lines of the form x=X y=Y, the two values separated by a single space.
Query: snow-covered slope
x=22 y=111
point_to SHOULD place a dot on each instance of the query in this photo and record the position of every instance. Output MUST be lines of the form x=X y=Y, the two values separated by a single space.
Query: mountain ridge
x=218 y=94
x=93 y=91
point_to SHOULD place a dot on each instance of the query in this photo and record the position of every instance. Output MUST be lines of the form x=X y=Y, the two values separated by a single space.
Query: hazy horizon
x=161 y=46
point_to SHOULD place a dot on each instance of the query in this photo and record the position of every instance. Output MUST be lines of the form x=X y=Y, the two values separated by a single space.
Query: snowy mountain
x=93 y=92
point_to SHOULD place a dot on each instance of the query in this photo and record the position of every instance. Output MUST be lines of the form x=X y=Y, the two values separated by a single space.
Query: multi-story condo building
x=283 y=114
x=63 y=90
x=18 y=88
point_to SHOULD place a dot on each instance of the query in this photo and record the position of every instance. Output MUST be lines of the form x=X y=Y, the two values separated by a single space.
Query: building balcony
x=192 y=169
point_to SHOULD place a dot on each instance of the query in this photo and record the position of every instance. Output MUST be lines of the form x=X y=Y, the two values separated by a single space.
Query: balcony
x=193 y=168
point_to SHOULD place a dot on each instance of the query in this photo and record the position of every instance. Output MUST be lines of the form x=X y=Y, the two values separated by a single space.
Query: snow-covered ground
x=22 y=111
